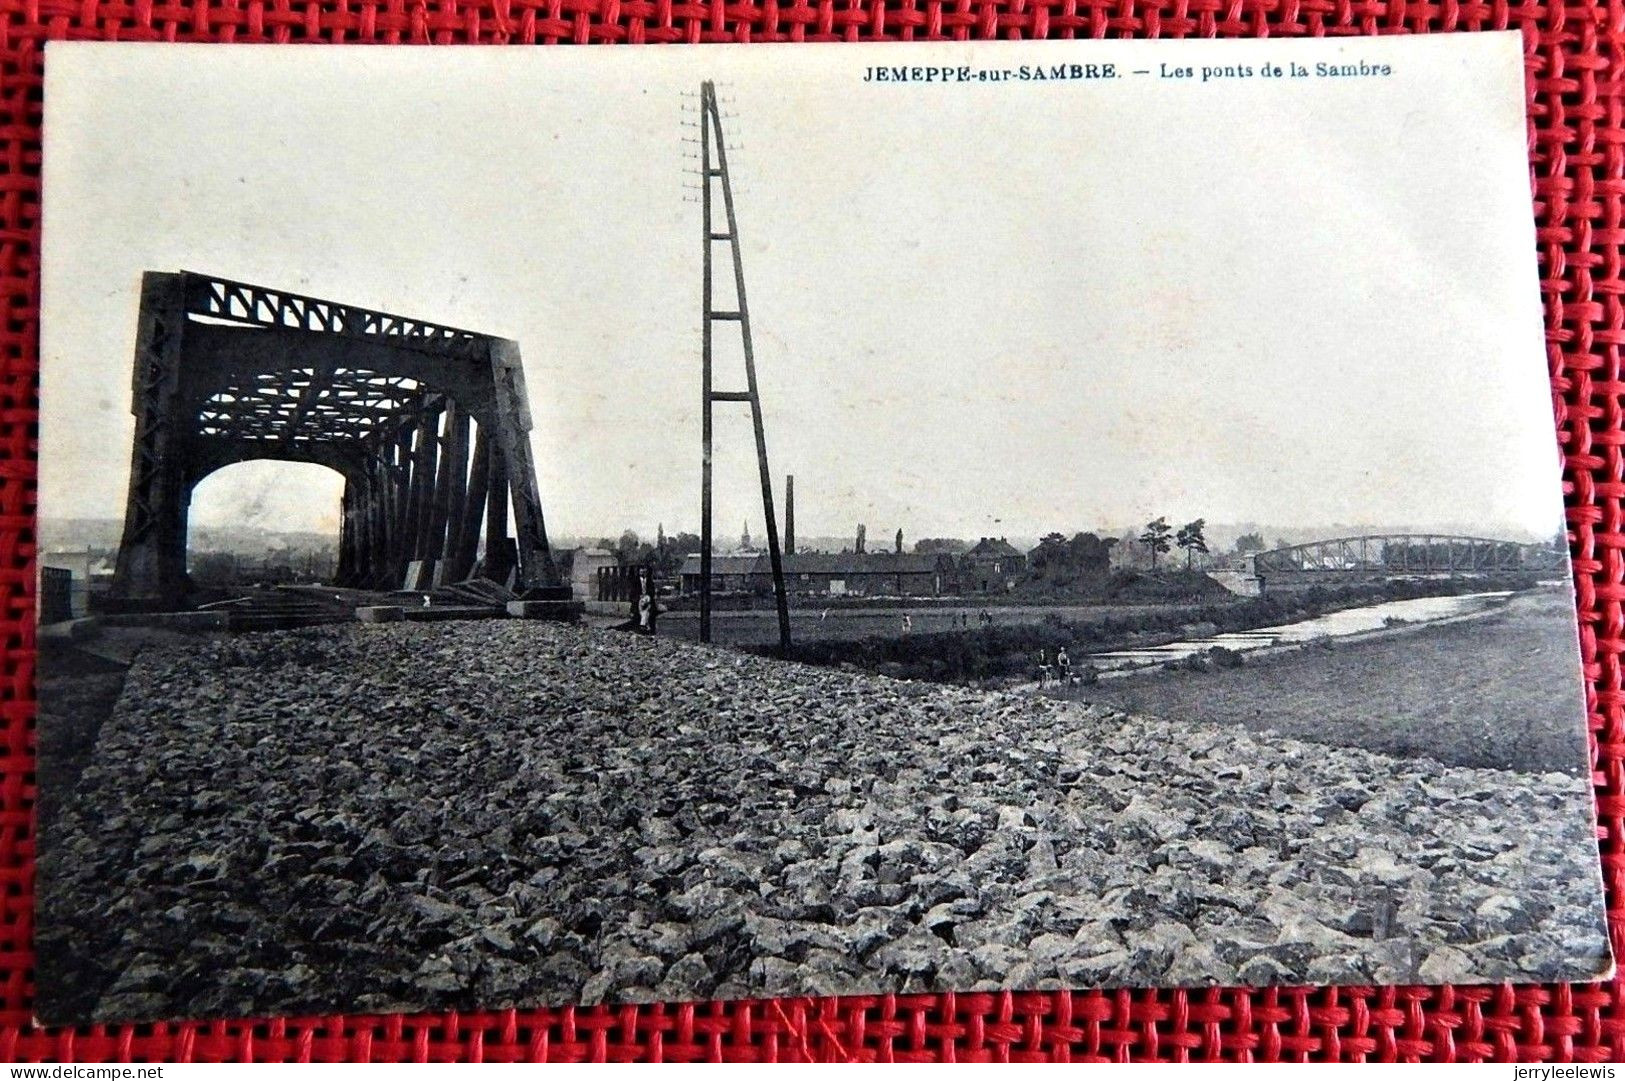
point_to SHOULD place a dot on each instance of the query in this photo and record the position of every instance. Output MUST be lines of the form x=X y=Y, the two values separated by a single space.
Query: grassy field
x=1502 y=691
x=761 y=627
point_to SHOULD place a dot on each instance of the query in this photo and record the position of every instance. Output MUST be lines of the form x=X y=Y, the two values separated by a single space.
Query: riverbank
x=1497 y=690
x=1004 y=653
x=1340 y=627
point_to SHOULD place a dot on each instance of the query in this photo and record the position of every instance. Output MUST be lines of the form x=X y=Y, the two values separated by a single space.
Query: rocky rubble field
x=424 y=815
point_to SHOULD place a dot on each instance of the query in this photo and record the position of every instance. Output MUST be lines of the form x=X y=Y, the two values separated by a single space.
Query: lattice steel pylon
x=227 y=372
x=714 y=176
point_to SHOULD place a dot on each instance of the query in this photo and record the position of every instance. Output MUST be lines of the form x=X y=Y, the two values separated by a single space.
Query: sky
x=979 y=309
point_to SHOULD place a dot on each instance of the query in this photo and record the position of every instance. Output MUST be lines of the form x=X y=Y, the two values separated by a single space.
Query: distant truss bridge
x=1403 y=555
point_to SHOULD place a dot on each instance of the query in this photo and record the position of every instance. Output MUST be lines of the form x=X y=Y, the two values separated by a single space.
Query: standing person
x=908 y=623
x=1063 y=667
x=1043 y=668
x=648 y=602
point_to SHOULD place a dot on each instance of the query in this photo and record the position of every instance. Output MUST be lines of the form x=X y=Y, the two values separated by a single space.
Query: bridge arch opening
x=264 y=522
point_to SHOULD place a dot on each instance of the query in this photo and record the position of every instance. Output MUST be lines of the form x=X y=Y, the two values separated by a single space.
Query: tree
x=678 y=547
x=1156 y=538
x=926 y=546
x=1091 y=556
x=1051 y=553
x=630 y=551
x=1191 y=539
x=1250 y=542
x=626 y=549
x=683 y=544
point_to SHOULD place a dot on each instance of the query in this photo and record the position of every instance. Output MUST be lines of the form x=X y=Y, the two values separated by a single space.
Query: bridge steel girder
x=427 y=425
x=1385 y=555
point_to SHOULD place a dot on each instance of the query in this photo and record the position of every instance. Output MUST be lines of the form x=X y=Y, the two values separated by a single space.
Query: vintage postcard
x=542 y=526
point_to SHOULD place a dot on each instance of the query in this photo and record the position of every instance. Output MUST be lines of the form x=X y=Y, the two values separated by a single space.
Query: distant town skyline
x=78 y=533
x=953 y=332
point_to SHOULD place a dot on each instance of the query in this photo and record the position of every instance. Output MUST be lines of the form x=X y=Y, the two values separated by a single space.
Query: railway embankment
x=514 y=812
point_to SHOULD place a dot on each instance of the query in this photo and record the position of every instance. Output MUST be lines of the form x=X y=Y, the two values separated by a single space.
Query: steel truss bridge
x=1404 y=554
x=427 y=425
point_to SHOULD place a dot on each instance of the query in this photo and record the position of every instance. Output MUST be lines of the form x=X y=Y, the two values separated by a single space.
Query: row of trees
x=1159 y=537
x=665 y=554
x=1086 y=553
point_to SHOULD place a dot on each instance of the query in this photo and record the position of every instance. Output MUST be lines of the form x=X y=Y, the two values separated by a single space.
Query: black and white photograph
x=529 y=527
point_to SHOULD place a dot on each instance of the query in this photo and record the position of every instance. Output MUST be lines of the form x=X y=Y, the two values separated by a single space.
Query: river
x=1339 y=624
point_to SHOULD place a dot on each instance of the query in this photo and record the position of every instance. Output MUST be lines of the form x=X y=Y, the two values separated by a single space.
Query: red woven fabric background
x=1577 y=156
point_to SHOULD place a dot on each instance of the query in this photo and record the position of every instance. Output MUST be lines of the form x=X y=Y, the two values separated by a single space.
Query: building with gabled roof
x=870 y=574
x=992 y=566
